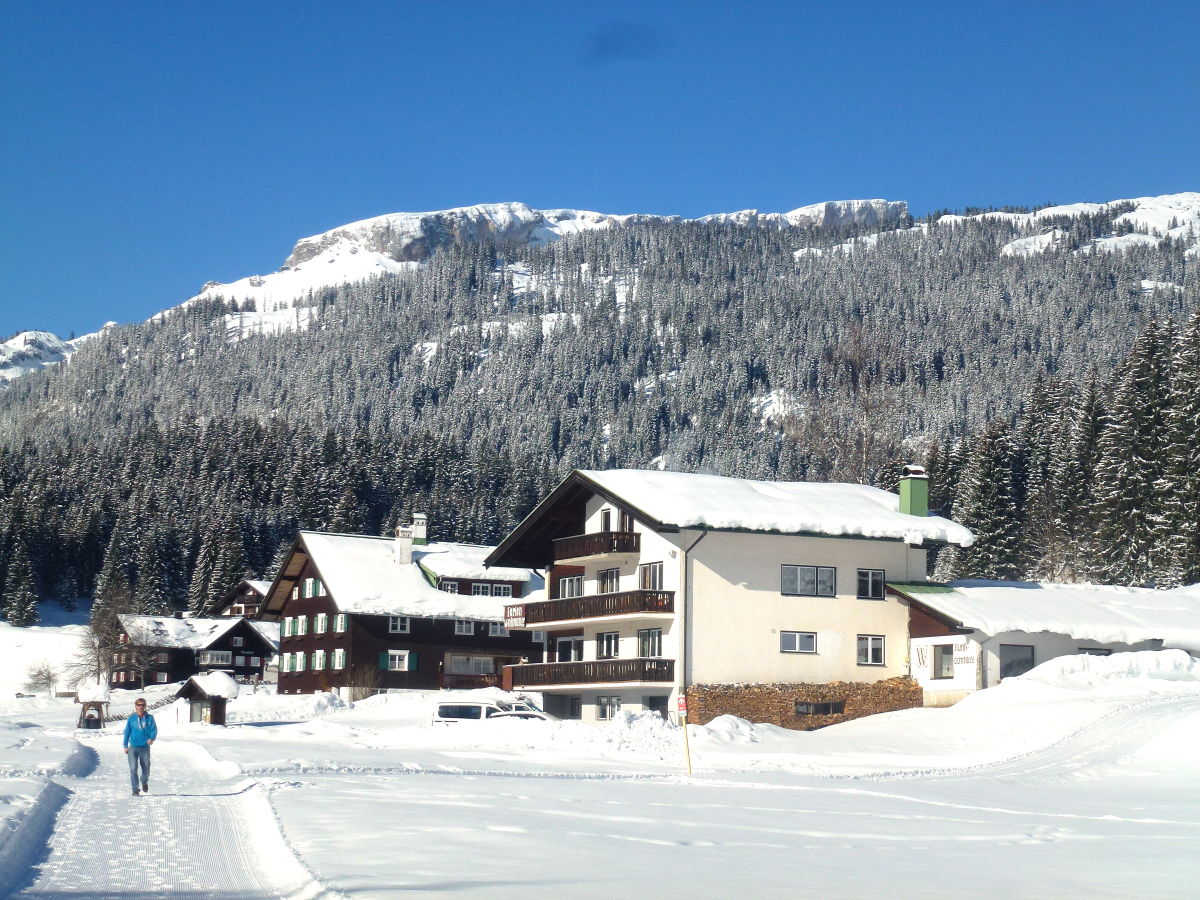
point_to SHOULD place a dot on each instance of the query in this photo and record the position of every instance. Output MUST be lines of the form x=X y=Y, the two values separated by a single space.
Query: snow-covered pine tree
x=20 y=600
x=1181 y=487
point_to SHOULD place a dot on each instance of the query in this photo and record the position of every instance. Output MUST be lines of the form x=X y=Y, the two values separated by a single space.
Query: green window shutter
x=412 y=661
x=383 y=660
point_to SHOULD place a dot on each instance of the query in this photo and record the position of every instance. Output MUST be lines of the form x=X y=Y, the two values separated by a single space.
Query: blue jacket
x=139 y=732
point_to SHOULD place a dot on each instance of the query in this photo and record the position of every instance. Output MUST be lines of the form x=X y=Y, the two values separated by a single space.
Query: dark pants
x=139 y=756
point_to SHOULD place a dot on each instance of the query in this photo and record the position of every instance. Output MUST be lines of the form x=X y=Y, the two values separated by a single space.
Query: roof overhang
x=285 y=579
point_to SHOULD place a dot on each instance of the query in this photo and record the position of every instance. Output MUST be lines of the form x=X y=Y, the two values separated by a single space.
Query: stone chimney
x=404 y=545
x=420 y=521
x=914 y=491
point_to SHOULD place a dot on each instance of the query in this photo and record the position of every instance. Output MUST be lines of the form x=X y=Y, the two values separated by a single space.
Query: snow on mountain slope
x=32 y=351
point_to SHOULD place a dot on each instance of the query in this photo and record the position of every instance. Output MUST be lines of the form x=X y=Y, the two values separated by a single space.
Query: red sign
x=682 y=705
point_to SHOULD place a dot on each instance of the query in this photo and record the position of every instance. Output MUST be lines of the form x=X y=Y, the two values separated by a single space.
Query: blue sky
x=150 y=147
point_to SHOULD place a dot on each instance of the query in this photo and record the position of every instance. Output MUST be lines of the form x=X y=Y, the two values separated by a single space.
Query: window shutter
x=383 y=660
x=412 y=661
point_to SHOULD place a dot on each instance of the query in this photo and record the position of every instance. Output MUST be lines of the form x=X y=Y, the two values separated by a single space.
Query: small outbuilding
x=92 y=698
x=208 y=695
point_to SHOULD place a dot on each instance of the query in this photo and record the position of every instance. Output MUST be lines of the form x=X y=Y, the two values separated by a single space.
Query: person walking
x=140 y=732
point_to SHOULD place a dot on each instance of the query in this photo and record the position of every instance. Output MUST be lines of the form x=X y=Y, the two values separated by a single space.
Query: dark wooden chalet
x=359 y=615
x=166 y=649
x=245 y=599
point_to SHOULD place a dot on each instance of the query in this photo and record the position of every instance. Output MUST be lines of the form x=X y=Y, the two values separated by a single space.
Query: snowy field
x=1079 y=779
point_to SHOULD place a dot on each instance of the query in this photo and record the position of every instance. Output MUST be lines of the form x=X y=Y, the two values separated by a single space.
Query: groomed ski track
x=203 y=831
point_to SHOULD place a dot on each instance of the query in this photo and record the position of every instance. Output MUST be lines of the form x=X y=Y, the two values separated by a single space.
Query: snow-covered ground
x=1077 y=779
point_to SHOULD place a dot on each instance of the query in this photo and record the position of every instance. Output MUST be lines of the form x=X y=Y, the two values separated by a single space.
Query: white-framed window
x=608 y=645
x=160 y=677
x=943 y=661
x=570 y=586
x=339 y=658
x=649 y=642
x=464 y=626
x=398 y=624
x=239 y=660
x=238 y=641
x=161 y=658
x=461 y=664
x=296 y=592
x=301 y=660
x=608 y=581
x=870 y=650
x=501 y=590
x=288 y=625
x=539 y=637
x=607 y=706
x=797 y=642
x=481 y=589
x=650 y=576
x=450 y=587
x=256 y=662
x=397 y=660
x=301 y=624
x=339 y=622
x=321 y=623
x=808 y=581
x=870 y=584
x=497 y=629
x=216 y=657
x=285 y=662
x=313 y=587
x=318 y=659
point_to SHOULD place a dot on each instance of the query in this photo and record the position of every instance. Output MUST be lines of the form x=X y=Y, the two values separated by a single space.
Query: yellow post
x=687 y=749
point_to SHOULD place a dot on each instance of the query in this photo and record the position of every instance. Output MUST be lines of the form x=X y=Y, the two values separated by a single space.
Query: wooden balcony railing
x=596 y=672
x=460 y=682
x=593 y=606
x=596 y=544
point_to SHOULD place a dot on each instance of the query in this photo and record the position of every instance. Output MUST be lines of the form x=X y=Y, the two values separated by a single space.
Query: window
x=256 y=662
x=339 y=659
x=870 y=584
x=608 y=645
x=870 y=649
x=300 y=660
x=301 y=624
x=650 y=642
x=829 y=708
x=472 y=665
x=216 y=657
x=570 y=586
x=497 y=629
x=239 y=660
x=606 y=520
x=287 y=626
x=797 y=642
x=238 y=642
x=339 y=622
x=296 y=593
x=450 y=587
x=398 y=624
x=321 y=624
x=481 y=590
x=501 y=590
x=943 y=661
x=626 y=521
x=161 y=658
x=160 y=677
x=313 y=587
x=1095 y=651
x=318 y=659
x=285 y=663
x=808 y=581
x=607 y=707
x=539 y=637
x=650 y=577
x=607 y=581
x=1015 y=659
x=397 y=661
x=570 y=649
x=463 y=626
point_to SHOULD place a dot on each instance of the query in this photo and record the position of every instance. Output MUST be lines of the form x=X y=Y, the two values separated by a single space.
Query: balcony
x=596 y=545
x=454 y=681
x=595 y=606
x=601 y=671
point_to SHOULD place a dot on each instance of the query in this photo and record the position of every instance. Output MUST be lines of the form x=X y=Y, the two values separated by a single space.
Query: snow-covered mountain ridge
x=31 y=351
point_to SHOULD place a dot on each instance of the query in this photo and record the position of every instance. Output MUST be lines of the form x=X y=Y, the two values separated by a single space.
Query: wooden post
x=687 y=749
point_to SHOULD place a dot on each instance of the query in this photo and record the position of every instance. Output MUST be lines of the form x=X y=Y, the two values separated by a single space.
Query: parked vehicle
x=478 y=710
x=536 y=714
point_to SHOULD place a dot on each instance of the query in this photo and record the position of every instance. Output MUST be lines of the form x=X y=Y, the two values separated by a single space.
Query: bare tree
x=40 y=676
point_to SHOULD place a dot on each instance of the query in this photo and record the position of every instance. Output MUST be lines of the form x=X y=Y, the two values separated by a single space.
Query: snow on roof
x=167 y=631
x=362 y=576
x=217 y=684
x=87 y=691
x=788 y=507
x=261 y=586
x=269 y=630
x=1102 y=613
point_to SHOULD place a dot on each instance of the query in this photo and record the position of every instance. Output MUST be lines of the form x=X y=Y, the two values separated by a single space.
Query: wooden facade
x=246 y=599
x=135 y=665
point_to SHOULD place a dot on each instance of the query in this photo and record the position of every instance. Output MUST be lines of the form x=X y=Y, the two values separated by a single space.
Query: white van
x=478 y=710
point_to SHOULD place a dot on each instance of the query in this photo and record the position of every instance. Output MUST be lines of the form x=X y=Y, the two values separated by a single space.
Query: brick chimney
x=404 y=545
x=420 y=522
x=914 y=491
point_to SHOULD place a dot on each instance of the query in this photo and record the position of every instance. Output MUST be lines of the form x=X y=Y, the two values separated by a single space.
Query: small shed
x=208 y=695
x=93 y=704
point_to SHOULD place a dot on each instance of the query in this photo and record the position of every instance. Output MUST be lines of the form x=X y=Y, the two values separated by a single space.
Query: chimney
x=914 y=491
x=418 y=529
x=404 y=545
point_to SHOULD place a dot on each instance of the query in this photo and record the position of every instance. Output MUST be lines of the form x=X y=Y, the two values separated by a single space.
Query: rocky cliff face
x=30 y=351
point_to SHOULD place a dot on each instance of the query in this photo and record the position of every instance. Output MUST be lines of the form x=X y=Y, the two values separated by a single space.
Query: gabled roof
x=362 y=576
x=167 y=631
x=1101 y=613
x=671 y=501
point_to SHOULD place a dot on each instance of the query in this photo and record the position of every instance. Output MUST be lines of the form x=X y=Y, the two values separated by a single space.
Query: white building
x=665 y=583
x=999 y=629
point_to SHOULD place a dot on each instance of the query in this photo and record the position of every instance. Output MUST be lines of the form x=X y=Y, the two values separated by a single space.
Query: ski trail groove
x=204 y=831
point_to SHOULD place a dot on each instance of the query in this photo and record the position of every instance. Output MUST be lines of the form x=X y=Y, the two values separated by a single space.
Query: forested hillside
x=169 y=457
